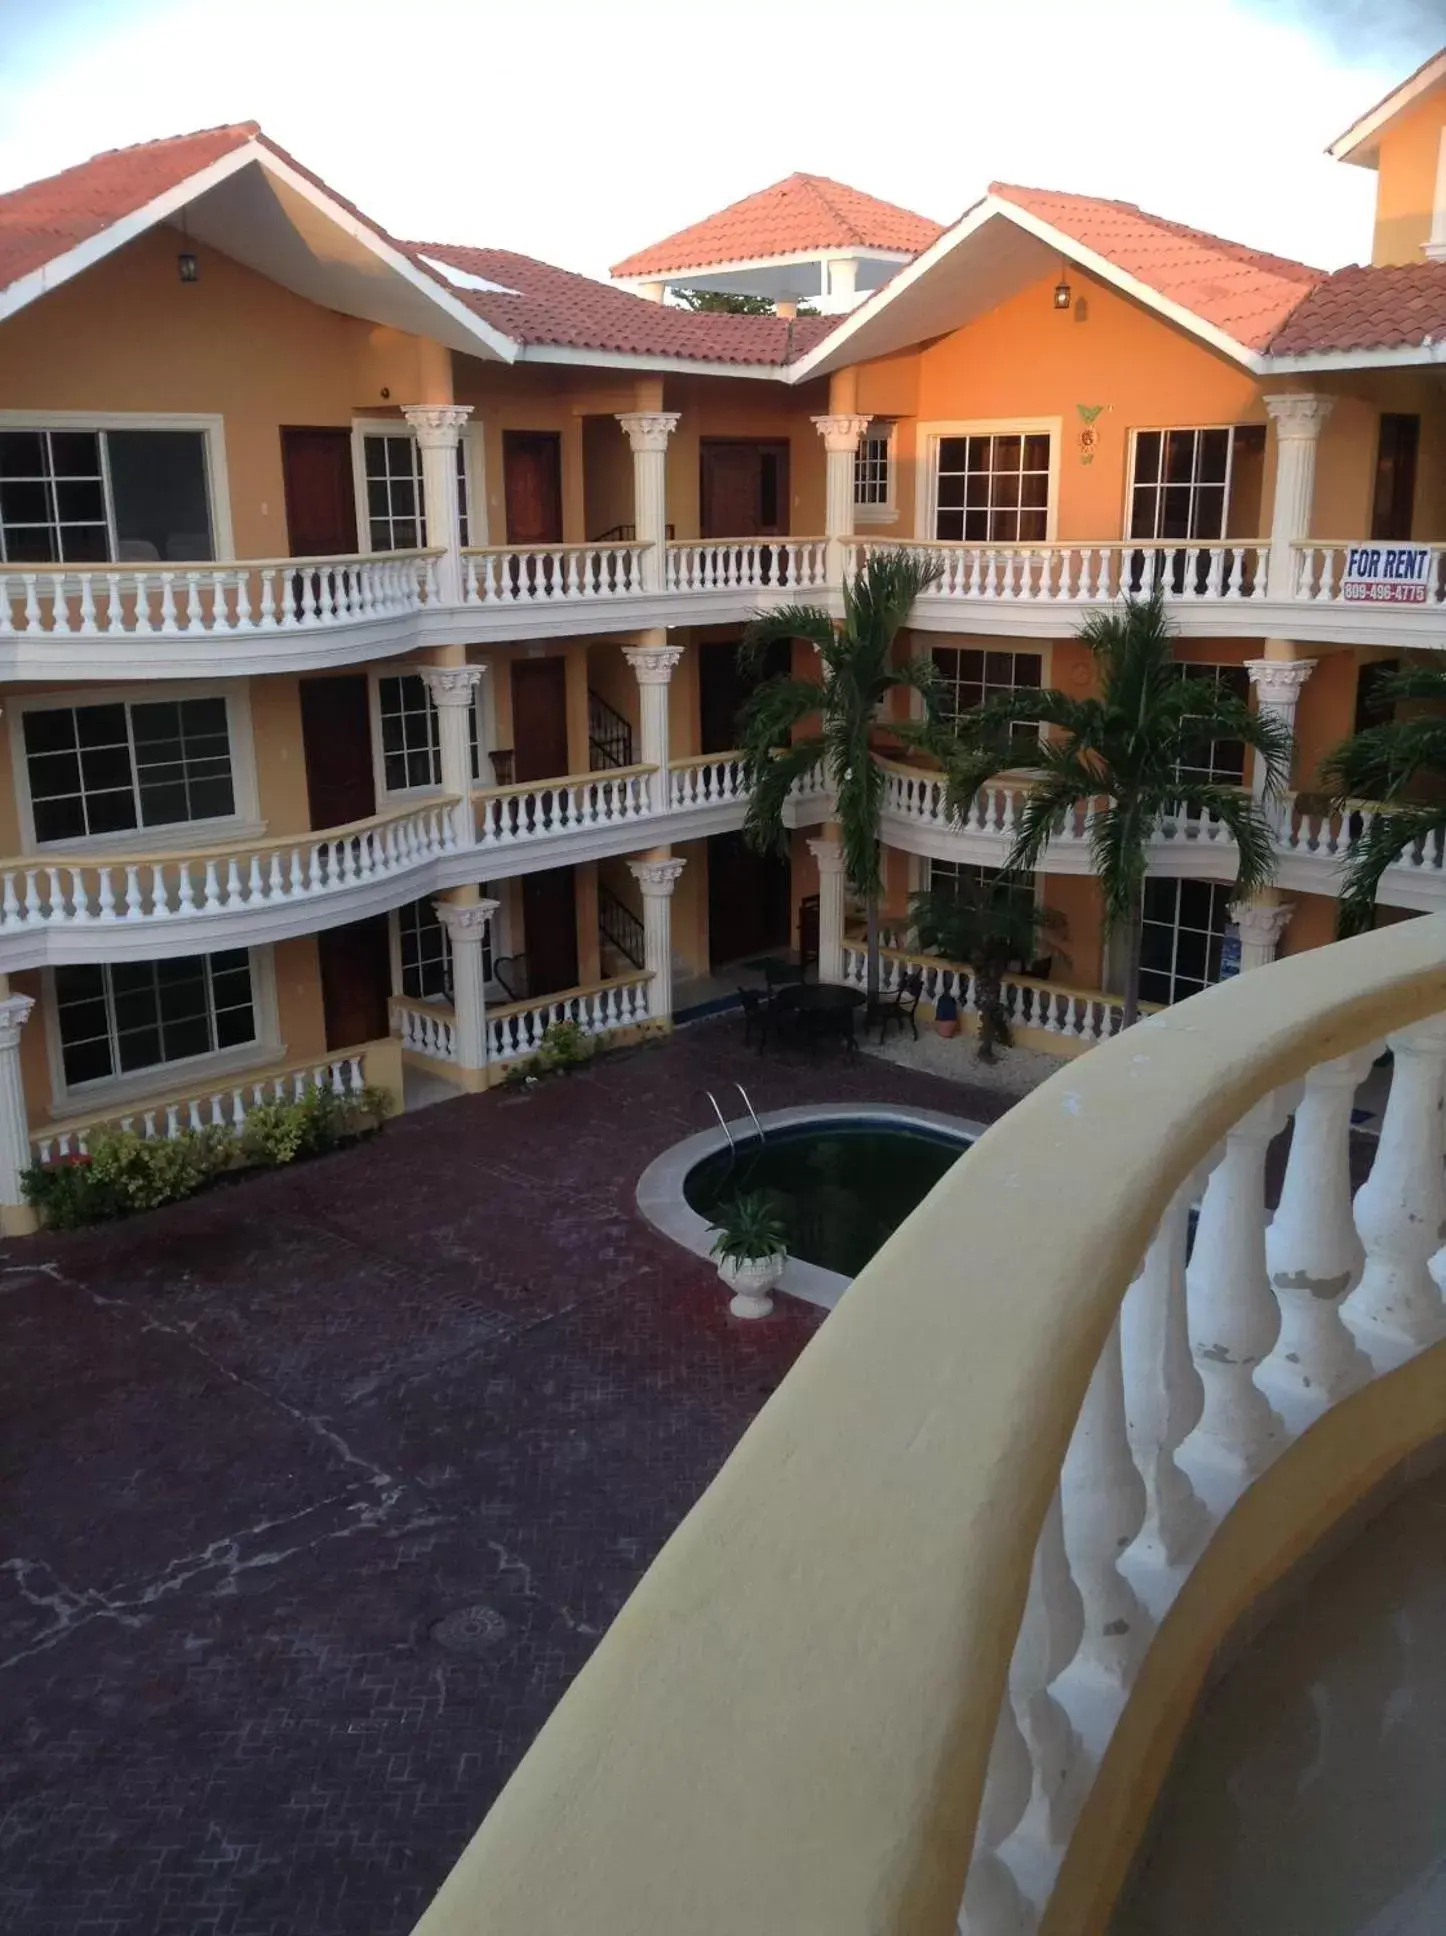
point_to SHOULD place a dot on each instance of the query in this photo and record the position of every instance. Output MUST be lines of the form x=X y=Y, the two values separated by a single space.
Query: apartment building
x=369 y=606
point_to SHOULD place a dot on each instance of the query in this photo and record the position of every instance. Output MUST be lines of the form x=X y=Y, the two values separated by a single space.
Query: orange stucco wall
x=1406 y=182
x=742 y=408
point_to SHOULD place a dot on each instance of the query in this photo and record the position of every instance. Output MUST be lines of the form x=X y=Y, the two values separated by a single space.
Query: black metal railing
x=609 y=735
x=617 y=923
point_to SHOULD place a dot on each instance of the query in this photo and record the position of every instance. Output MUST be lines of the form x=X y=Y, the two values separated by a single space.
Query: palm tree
x=1385 y=762
x=856 y=661
x=1134 y=754
x=989 y=926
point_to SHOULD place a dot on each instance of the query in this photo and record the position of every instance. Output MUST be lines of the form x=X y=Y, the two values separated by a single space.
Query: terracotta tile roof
x=1245 y=292
x=801 y=212
x=1391 y=307
x=555 y=306
x=45 y=219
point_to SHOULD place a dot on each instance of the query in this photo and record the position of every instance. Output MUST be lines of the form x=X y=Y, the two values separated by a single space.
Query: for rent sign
x=1387 y=574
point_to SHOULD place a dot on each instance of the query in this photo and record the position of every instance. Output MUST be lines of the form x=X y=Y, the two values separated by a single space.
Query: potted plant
x=946 y=1016
x=751 y=1251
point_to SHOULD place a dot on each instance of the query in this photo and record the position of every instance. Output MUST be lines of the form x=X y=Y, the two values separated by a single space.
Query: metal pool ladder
x=723 y=1120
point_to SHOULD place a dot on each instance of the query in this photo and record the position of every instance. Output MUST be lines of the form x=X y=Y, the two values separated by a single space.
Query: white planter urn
x=751 y=1279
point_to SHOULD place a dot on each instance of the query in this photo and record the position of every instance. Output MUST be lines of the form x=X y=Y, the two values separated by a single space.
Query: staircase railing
x=616 y=923
x=609 y=734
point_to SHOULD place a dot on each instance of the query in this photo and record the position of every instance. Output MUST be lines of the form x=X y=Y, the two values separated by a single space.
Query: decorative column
x=1298 y=420
x=652 y=662
x=657 y=876
x=15 y=1216
x=840 y=434
x=648 y=433
x=830 y=857
x=1261 y=924
x=454 y=694
x=438 y=427
x=467 y=924
x=1277 y=684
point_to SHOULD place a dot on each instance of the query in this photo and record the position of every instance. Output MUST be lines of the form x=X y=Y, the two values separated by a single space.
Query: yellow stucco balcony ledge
x=934 y=1629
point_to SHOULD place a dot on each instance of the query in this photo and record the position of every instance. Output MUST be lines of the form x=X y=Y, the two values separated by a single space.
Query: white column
x=1261 y=924
x=830 y=857
x=467 y=924
x=1298 y=420
x=657 y=876
x=1277 y=684
x=648 y=432
x=14 y=1121
x=438 y=427
x=652 y=666
x=840 y=434
x=454 y=694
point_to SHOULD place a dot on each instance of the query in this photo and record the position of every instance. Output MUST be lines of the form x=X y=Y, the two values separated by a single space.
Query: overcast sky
x=578 y=130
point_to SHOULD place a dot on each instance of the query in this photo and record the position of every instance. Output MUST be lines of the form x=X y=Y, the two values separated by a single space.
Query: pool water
x=841 y=1187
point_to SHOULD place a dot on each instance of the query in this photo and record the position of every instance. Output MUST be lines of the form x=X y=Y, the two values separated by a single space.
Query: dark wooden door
x=724 y=689
x=316 y=470
x=532 y=483
x=356 y=979
x=336 y=738
x=549 y=925
x=743 y=488
x=539 y=719
x=748 y=901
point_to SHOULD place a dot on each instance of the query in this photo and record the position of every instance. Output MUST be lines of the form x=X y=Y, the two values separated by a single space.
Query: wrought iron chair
x=898 y=1008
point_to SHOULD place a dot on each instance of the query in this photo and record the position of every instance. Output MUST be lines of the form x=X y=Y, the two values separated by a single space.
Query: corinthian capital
x=841 y=433
x=1299 y=415
x=1261 y=923
x=649 y=429
x=1278 y=681
x=438 y=425
x=656 y=876
x=452 y=685
x=14 y=1012
x=469 y=922
x=653 y=664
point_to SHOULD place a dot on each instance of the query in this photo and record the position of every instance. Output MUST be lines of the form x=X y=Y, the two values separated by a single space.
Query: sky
x=580 y=130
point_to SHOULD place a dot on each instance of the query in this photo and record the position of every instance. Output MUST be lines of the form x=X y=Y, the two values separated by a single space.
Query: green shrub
x=278 y=1133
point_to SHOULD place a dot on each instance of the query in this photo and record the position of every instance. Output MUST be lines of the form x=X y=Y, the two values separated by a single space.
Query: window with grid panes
x=1181 y=938
x=411 y=735
x=947 y=875
x=1220 y=761
x=396 y=512
x=872 y=484
x=1181 y=480
x=105 y=769
x=968 y=677
x=426 y=951
x=86 y=497
x=993 y=489
x=119 y=1017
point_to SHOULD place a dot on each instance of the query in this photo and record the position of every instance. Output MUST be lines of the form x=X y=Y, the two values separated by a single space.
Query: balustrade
x=425 y=1028
x=252 y=596
x=517 y=1030
x=544 y=574
x=569 y=805
x=748 y=564
x=1072 y=1014
x=1056 y=574
x=710 y=780
x=1320 y=577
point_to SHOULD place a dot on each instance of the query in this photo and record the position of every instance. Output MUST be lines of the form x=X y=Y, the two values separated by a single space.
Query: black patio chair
x=755 y=1016
x=898 y=1008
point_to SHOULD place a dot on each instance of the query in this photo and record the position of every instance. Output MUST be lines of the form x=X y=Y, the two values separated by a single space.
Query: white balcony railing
x=954 y=1593
x=748 y=564
x=573 y=804
x=516 y=1030
x=254 y=596
x=547 y=574
x=1320 y=579
x=1083 y=1015
x=712 y=779
x=426 y=1028
x=1088 y=574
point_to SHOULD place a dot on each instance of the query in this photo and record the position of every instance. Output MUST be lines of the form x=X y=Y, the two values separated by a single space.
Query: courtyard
x=320 y=1489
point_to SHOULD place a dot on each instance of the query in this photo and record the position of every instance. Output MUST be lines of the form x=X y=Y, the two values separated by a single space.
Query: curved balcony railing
x=1070 y=1015
x=888 y=1650
x=748 y=564
x=710 y=779
x=264 y=595
x=537 y=809
x=1069 y=574
x=543 y=574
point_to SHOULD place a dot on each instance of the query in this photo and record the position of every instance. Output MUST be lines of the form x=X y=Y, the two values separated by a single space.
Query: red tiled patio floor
x=260 y=1444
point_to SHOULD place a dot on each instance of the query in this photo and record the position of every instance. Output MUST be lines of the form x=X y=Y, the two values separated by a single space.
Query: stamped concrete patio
x=320 y=1489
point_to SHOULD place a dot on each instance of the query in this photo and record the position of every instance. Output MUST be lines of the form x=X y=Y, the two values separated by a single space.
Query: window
x=1181 y=480
x=967 y=678
x=426 y=952
x=395 y=509
x=104 y=496
x=874 y=472
x=1222 y=761
x=1184 y=928
x=951 y=874
x=411 y=738
x=123 y=1016
x=1393 y=504
x=993 y=489
x=109 y=768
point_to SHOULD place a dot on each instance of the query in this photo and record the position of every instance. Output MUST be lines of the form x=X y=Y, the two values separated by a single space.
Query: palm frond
x=1379 y=762
x=1380 y=843
x=1244 y=820
x=809 y=622
x=770 y=781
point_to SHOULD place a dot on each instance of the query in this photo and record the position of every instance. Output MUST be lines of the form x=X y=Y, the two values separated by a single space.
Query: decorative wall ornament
x=1089 y=437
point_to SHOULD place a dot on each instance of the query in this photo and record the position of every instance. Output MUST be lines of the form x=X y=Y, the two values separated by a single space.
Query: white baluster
x=1048 y=1640
x=1314 y=1253
x=993 y=1905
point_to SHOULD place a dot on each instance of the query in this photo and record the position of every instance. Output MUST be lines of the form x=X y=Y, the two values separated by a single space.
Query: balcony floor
x=261 y=1444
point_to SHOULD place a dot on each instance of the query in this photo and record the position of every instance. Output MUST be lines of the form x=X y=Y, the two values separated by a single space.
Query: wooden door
x=336 y=739
x=320 y=492
x=724 y=689
x=748 y=901
x=532 y=485
x=743 y=488
x=549 y=926
x=356 y=979
x=539 y=719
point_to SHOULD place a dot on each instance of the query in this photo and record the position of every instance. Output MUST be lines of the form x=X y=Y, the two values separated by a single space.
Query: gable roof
x=800 y=213
x=1247 y=293
x=1358 y=143
x=539 y=305
x=1391 y=307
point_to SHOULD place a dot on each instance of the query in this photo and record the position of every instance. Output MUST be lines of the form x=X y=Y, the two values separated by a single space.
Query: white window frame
x=212 y=426
x=928 y=642
x=165 y=1077
x=926 y=502
x=499 y=931
x=883 y=430
x=1217 y=666
x=1177 y=881
x=482 y=707
x=1127 y=516
x=244 y=824
x=473 y=468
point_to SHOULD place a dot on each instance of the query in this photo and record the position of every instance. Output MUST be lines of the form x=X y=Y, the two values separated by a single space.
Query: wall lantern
x=186 y=265
x=1062 y=296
